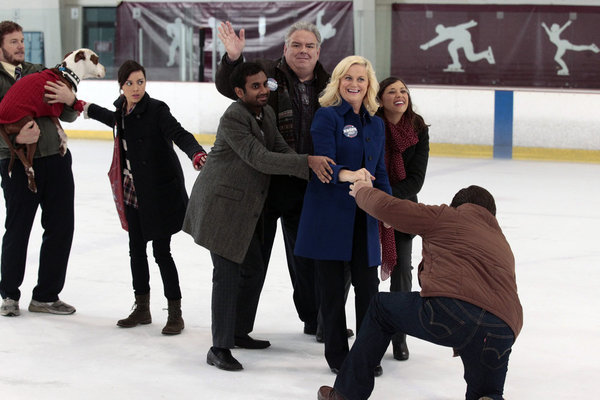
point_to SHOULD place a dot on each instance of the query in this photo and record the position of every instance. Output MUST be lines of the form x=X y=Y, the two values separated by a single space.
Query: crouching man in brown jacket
x=468 y=297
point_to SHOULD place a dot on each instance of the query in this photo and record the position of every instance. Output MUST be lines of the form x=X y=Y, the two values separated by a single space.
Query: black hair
x=241 y=72
x=415 y=119
x=126 y=69
x=475 y=195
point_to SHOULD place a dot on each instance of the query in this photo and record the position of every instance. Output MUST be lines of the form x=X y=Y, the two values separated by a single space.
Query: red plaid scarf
x=398 y=137
x=129 y=196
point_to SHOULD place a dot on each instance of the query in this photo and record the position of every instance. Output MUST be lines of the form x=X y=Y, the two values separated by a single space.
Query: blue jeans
x=483 y=341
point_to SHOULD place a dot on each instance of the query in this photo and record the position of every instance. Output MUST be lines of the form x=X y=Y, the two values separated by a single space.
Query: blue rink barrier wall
x=557 y=125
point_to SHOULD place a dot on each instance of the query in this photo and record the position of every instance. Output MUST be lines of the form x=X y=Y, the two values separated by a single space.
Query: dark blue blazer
x=327 y=220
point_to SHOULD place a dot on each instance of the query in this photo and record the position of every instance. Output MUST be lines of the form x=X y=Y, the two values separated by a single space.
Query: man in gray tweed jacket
x=225 y=211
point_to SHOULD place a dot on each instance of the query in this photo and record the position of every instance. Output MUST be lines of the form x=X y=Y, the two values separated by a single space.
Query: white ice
x=550 y=213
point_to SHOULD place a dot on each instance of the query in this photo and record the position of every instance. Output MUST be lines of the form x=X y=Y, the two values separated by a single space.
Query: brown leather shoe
x=328 y=393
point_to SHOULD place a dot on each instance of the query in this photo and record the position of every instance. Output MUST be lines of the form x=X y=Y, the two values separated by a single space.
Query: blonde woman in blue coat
x=333 y=231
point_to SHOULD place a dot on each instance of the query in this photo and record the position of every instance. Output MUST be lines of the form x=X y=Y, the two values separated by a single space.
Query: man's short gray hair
x=303 y=26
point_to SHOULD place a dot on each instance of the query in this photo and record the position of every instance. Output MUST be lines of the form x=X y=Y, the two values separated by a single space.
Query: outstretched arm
x=546 y=28
x=438 y=39
x=467 y=25
x=565 y=26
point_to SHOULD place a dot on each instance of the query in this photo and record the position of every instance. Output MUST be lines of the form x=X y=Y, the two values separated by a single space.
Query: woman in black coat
x=154 y=195
x=406 y=157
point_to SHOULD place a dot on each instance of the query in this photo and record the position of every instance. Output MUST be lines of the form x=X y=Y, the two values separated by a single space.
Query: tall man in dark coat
x=227 y=208
x=295 y=81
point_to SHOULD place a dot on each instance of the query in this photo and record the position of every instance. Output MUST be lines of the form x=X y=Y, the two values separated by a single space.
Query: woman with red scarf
x=406 y=156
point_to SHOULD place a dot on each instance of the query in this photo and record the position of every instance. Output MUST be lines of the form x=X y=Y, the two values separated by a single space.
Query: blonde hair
x=331 y=95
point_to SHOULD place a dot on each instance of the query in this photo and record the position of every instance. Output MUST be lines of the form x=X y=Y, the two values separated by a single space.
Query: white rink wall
x=197 y=106
x=457 y=115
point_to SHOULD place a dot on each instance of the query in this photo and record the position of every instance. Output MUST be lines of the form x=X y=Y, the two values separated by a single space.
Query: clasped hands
x=358 y=179
x=362 y=178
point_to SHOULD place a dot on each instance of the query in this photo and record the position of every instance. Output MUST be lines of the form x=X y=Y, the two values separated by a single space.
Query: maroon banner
x=166 y=37
x=496 y=45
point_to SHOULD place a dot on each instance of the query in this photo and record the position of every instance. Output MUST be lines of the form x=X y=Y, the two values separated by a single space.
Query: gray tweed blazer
x=230 y=191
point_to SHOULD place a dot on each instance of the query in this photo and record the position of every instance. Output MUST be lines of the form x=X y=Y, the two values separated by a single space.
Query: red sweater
x=465 y=254
x=26 y=97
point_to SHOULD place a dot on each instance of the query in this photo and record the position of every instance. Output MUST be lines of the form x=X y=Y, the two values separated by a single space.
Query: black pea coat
x=149 y=132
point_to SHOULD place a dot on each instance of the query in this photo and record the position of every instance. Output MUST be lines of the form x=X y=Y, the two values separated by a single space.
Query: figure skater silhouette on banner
x=562 y=45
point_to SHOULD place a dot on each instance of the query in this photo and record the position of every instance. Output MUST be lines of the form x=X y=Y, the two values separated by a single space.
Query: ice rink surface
x=550 y=214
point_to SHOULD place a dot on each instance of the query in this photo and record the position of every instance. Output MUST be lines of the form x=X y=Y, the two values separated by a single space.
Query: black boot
x=399 y=346
x=141 y=313
x=174 y=324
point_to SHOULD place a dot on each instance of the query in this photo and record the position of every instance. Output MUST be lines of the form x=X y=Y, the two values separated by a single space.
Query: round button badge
x=350 y=131
x=272 y=84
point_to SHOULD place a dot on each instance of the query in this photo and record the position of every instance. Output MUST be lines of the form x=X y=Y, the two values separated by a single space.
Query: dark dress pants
x=483 y=341
x=56 y=189
x=236 y=293
x=284 y=202
x=161 y=248
x=332 y=288
x=401 y=277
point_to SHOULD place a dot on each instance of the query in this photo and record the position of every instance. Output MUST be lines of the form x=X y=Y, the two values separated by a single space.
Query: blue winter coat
x=327 y=220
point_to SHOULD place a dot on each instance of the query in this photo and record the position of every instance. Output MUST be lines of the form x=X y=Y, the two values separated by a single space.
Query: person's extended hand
x=199 y=160
x=362 y=174
x=321 y=167
x=234 y=44
x=29 y=133
x=59 y=93
x=356 y=186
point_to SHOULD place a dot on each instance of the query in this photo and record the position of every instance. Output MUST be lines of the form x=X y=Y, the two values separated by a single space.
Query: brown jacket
x=465 y=254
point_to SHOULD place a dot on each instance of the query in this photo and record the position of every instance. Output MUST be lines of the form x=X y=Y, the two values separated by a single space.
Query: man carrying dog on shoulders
x=55 y=194
x=226 y=210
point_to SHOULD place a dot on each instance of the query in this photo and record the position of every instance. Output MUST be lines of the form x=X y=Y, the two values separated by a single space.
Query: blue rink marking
x=503 y=124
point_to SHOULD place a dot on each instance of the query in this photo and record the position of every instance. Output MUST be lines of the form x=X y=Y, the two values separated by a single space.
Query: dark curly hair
x=475 y=195
x=241 y=72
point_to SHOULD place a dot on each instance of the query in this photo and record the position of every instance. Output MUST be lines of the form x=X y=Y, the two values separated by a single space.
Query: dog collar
x=70 y=75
